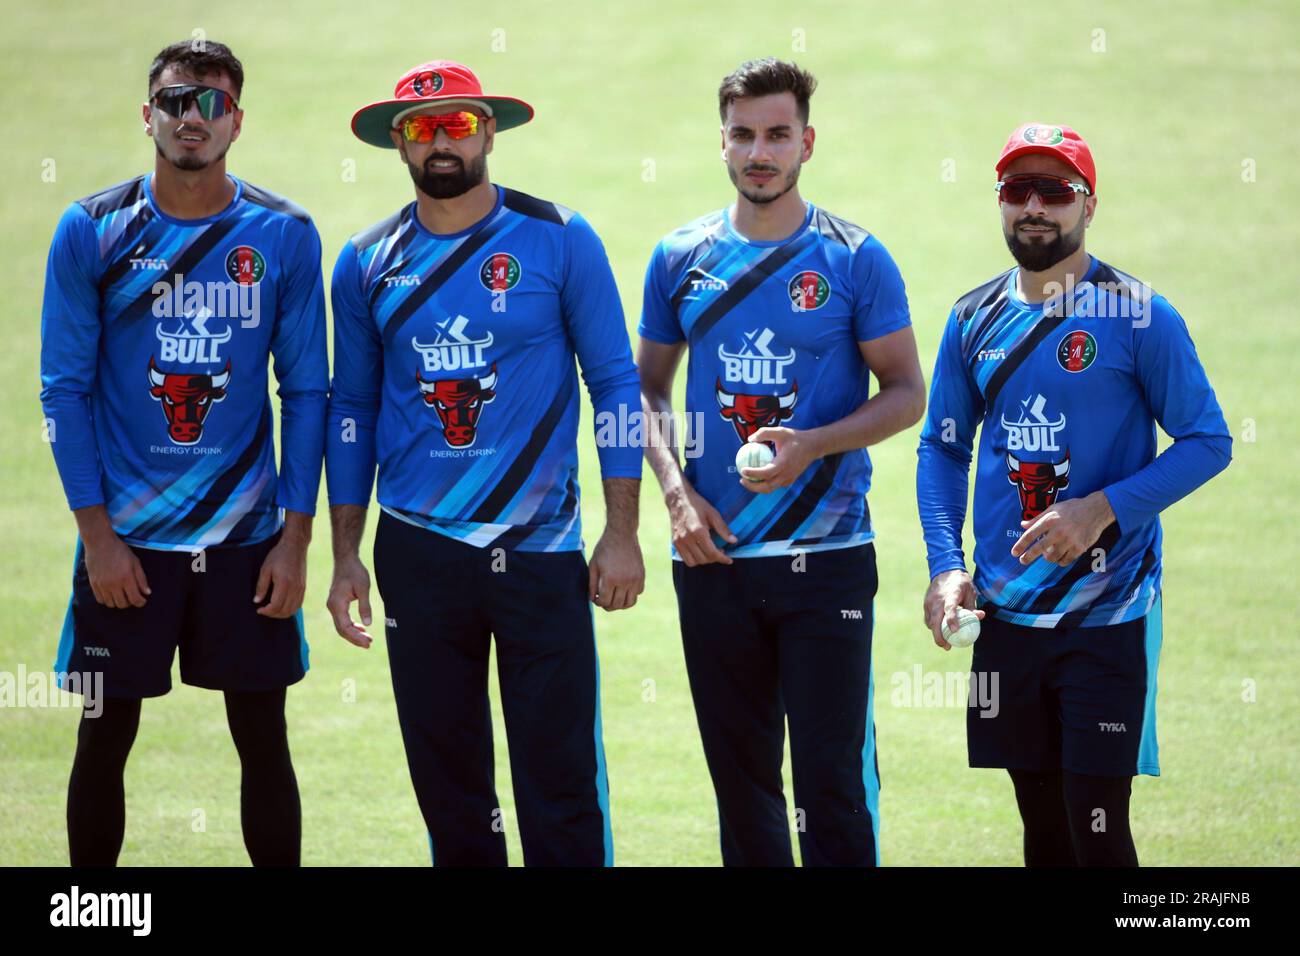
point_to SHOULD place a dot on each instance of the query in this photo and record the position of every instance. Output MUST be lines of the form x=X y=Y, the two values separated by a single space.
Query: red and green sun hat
x=438 y=82
x=1049 y=140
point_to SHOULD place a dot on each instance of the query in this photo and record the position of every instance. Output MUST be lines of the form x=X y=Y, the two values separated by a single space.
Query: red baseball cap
x=438 y=81
x=1059 y=141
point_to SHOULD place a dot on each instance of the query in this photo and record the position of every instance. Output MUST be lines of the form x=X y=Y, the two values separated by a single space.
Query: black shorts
x=1079 y=699
x=205 y=608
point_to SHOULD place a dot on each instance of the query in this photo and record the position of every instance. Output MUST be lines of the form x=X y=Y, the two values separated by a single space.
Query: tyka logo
x=702 y=281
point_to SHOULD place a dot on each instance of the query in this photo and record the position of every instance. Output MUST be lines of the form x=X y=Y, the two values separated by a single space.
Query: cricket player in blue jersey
x=456 y=324
x=165 y=296
x=1068 y=365
x=786 y=311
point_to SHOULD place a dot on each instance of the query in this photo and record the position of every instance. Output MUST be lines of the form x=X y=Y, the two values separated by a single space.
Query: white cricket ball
x=968 y=629
x=753 y=455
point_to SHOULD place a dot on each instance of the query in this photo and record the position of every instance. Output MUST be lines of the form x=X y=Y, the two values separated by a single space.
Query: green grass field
x=1190 y=111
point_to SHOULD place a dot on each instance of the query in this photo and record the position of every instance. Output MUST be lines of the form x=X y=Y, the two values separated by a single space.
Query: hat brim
x=1030 y=149
x=372 y=123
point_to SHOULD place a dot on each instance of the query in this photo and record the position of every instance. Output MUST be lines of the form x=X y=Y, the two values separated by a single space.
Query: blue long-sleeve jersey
x=1069 y=398
x=454 y=373
x=155 y=337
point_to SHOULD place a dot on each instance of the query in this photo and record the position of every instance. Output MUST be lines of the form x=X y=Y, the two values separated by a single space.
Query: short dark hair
x=764 y=77
x=199 y=58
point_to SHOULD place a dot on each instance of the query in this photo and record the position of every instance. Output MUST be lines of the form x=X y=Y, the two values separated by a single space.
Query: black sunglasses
x=177 y=100
x=1052 y=190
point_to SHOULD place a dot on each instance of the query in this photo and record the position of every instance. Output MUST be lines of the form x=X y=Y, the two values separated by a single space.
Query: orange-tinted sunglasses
x=424 y=127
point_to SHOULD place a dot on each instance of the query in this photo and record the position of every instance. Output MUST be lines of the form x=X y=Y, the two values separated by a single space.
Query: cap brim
x=372 y=123
x=1032 y=150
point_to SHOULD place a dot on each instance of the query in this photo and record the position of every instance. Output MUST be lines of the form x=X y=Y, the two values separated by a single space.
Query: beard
x=450 y=183
x=188 y=161
x=1039 y=255
x=761 y=198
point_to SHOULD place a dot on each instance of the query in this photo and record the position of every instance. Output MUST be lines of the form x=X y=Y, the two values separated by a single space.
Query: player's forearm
x=1176 y=472
x=896 y=407
x=350 y=449
x=94 y=525
x=622 y=505
x=347 y=525
x=941 y=488
x=615 y=409
x=302 y=448
x=297 y=528
x=71 y=435
x=661 y=441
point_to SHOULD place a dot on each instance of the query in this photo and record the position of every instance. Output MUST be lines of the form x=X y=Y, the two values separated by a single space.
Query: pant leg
x=550 y=698
x=823 y=617
x=270 y=810
x=1098 y=809
x=438 y=644
x=732 y=666
x=96 y=794
x=1040 y=797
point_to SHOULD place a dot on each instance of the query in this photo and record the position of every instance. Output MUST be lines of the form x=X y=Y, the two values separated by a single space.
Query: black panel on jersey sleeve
x=839 y=230
x=385 y=227
x=980 y=297
x=535 y=208
x=275 y=203
x=113 y=198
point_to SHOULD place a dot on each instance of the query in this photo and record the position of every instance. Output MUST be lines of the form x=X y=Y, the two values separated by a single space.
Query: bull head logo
x=749 y=413
x=459 y=402
x=1038 y=483
x=186 y=400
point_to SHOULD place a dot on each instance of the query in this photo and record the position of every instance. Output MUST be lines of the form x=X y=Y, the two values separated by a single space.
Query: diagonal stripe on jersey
x=194 y=253
x=448 y=268
x=134 y=229
x=745 y=283
x=523 y=464
x=804 y=505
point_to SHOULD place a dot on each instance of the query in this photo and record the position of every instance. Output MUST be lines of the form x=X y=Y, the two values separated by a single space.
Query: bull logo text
x=755 y=363
x=191 y=343
x=1033 y=431
x=452 y=350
